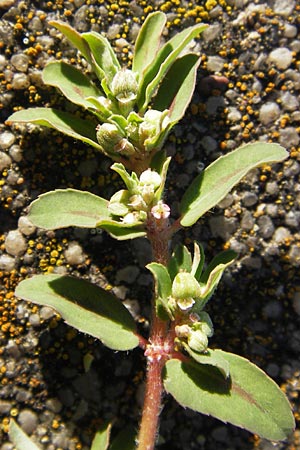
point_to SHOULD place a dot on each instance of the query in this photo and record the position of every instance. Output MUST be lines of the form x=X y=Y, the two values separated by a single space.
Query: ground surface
x=247 y=90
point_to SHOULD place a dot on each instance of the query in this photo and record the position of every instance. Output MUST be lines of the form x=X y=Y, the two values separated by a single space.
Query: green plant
x=137 y=108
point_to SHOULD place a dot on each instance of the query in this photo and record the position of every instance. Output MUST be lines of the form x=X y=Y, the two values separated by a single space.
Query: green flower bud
x=108 y=136
x=206 y=324
x=147 y=193
x=124 y=88
x=185 y=285
x=150 y=177
x=197 y=340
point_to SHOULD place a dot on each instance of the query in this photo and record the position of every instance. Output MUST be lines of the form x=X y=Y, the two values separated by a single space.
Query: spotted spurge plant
x=130 y=113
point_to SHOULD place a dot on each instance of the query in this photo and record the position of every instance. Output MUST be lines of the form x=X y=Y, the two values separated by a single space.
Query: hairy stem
x=159 y=348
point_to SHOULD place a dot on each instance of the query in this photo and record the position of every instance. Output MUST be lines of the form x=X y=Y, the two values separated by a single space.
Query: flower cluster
x=195 y=331
x=142 y=195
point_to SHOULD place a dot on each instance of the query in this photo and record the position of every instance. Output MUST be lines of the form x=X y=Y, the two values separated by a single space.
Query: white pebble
x=20 y=62
x=281 y=57
x=20 y=81
x=7 y=263
x=25 y=226
x=289 y=102
x=284 y=7
x=290 y=31
x=47 y=313
x=289 y=137
x=281 y=234
x=215 y=63
x=269 y=112
x=5 y=160
x=6 y=139
x=234 y=114
x=15 y=243
x=28 y=421
x=16 y=153
x=74 y=254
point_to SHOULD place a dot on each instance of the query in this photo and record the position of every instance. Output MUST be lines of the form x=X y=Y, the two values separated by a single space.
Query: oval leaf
x=214 y=183
x=176 y=90
x=66 y=208
x=211 y=358
x=73 y=37
x=71 y=82
x=19 y=438
x=85 y=306
x=248 y=398
x=148 y=41
x=73 y=126
x=101 y=438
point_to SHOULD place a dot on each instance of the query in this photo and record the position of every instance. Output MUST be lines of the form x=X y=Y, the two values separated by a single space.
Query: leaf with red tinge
x=248 y=398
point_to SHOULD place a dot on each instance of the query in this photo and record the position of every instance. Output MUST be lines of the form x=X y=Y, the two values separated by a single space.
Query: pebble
x=215 y=63
x=28 y=421
x=272 y=188
x=212 y=32
x=46 y=313
x=294 y=255
x=249 y=199
x=296 y=302
x=292 y=219
x=289 y=137
x=269 y=113
x=247 y=221
x=209 y=143
x=3 y=62
x=213 y=104
x=16 y=153
x=288 y=101
x=7 y=263
x=234 y=115
x=266 y=227
x=127 y=274
x=15 y=244
x=5 y=160
x=281 y=234
x=25 y=226
x=223 y=227
x=281 y=57
x=284 y=7
x=74 y=254
x=20 y=61
x=6 y=140
x=20 y=81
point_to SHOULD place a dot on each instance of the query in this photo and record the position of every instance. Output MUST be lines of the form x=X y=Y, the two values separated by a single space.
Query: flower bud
x=108 y=135
x=197 y=340
x=124 y=147
x=150 y=177
x=185 y=285
x=137 y=202
x=206 y=324
x=182 y=331
x=160 y=211
x=124 y=87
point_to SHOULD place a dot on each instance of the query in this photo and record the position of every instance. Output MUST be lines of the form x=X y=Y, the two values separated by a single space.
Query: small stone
x=266 y=227
x=252 y=262
x=289 y=137
x=234 y=115
x=3 y=62
x=25 y=226
x=290 y=31
x=281 y=234
x=5 y=160
x=6 y=140
x=5 y=407
x=288 y=101
x=272 y=188
x=54 y=405
x=292 y=219
x=215 y=63
x=227 y=201
x=28 y=421
x=209 y=143
x=223 y=227
x=214 y=104
x=249 y=199
x=269 y=112
x=20 y=81
x=113 y=31
x=284 y=7
x=281 y=57
x=74 y=254
x=294 y=255
x=127 y=274
x=7 y=263
x=212 y=32
x=15 y=244
x=16 y=153
x=47 y=313
x=247 y=221
x=20 y=61
x=34 y=320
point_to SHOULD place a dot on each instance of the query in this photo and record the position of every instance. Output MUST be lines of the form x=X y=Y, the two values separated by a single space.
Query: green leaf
x=213 y=184
x=71 y=82
x=101 y=439
x=163 y=61
x=148 y=41
x=163 y=174
x=177 y=88
x=121 y=231
x=125 y=440
x=211 y=358
x=73 y=126
x=222 y=259
x=248 y=398
x=180 y=261
x=85 y=306
x=20 y=439
x=73 y=37
x=66 y=208
x=198 y=261
x=103 y=55
x=163 y=288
